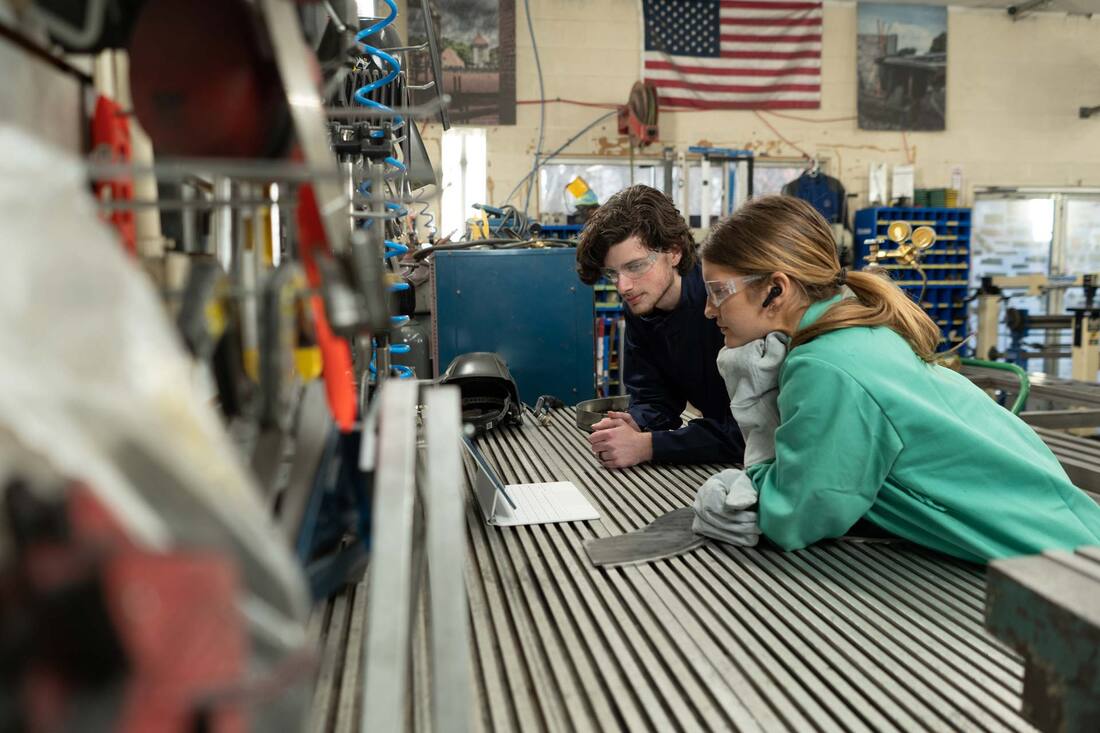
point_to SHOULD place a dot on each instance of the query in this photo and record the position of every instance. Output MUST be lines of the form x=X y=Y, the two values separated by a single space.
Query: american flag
x=734 y=54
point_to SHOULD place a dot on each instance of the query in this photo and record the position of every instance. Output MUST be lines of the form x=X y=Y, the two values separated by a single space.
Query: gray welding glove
x=725 y=509
x=751 y=373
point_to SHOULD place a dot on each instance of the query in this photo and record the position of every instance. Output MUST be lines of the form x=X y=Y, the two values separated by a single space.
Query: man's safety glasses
x=633 y=269
x=719 y=290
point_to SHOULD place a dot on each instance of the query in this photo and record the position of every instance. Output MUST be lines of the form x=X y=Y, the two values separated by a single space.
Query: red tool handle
x=335 y=353
x=111 y=138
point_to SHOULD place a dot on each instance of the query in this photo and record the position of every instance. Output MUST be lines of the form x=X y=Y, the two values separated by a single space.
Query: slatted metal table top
x=841 y=636
x=1080 y=457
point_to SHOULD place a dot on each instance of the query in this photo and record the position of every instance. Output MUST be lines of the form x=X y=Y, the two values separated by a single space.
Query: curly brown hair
x=640 y=211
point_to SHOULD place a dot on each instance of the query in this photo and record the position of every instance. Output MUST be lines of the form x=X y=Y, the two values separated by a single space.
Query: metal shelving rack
x=946 y=264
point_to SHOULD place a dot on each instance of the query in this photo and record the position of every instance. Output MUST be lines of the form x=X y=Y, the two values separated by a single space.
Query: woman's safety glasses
x=719 y=290
x=633 y=269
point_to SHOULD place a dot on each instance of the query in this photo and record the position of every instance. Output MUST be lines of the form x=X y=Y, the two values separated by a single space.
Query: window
x=771 y=178
x=605 y=180
x=1011 y=236
x=695 y=191
x=767 y=178
x=464 y=182
x=1054 y=233
x=1082 y=246
x=1080 y=255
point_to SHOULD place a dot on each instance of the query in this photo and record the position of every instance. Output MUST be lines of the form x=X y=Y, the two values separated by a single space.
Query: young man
x=639 y=242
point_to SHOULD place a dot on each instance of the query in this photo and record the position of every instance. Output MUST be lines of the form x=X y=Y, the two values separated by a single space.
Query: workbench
x=846 y=635
x=1048 y=608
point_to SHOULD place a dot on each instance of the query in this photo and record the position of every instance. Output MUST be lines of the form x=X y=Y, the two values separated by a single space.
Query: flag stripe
x=679 y=62
x=768 y=5
x=768 y=38
x=758 y=81
x=765 y=50
x=780 y=96
x=662 y=65
x=741 y=88
x=785 y=22
x=726 y=15
x=786 y=55
x=754 y=104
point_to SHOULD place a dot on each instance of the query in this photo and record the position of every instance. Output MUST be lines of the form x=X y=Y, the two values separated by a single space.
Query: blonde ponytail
x=784 y=234
x=878 y=302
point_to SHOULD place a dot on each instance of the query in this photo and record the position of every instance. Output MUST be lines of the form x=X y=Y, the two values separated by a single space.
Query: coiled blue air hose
x=395 y=65
x=393 y=249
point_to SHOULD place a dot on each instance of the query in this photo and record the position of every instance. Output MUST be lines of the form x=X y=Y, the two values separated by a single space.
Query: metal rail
x=1043 y=387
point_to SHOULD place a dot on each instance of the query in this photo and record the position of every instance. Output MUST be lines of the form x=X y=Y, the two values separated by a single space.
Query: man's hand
x=627 y=418
x=619 y=443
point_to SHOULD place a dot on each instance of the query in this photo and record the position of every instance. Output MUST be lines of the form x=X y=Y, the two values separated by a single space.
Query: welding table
x=842 y=636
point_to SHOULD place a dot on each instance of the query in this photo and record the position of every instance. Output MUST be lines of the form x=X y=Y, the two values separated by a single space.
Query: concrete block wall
x=1014 y=89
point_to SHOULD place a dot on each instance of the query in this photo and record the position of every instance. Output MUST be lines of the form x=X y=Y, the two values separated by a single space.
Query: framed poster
x=901 y=57
x=477 y=48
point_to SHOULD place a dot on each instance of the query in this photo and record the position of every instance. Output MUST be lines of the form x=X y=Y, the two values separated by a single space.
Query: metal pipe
x=181 y=204
x=417 y=110
x=1046 y=354
x=337 y=21
x=32 y=47
x=223 y=223
x=399 y=49
x=382 y=360
x=1054 y=321
x=189 y=226
x=204 y=203
x=1018 y=11
x=190 y=169
x=77 y=39
x=1062 y=419
x=375 y=214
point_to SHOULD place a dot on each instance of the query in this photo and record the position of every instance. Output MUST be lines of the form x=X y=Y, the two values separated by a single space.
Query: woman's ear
x=778 y=289
x=780 y=279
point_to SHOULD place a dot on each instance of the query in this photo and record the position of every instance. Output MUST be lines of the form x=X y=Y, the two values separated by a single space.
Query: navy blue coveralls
x=670 y=361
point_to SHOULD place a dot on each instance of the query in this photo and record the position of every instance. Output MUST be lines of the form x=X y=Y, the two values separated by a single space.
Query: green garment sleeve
x=833 y=449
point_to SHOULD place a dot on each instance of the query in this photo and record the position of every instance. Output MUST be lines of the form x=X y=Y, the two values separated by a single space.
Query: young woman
x=868 y=426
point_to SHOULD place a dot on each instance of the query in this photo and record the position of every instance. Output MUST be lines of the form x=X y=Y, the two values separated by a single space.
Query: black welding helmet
x=489 y=394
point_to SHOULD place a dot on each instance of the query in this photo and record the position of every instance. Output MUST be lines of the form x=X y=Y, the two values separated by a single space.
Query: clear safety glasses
x=719 y=290
x=633 y=269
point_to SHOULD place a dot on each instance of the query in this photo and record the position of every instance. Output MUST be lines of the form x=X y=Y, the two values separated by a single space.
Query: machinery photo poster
x=901 y=57
x=478 y=55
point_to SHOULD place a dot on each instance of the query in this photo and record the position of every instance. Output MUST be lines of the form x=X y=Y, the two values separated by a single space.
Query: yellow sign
x=578 y=187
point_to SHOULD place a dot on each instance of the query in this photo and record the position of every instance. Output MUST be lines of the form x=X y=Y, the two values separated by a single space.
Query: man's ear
x=675 y=256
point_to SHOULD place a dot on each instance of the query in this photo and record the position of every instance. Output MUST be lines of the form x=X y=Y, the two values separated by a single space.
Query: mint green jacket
x=868 y=429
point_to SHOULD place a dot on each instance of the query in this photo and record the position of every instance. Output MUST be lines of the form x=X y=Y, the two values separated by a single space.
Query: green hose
x=1025 y=383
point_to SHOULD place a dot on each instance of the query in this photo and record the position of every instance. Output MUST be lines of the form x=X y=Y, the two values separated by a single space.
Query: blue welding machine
x=526 y=305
